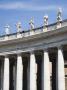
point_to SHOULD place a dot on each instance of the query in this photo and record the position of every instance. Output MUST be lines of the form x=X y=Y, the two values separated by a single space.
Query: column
x=32 y=73
x=60 y=71
x=45 y=72
x=19 y=78
x=6 y=74
x=2 y=73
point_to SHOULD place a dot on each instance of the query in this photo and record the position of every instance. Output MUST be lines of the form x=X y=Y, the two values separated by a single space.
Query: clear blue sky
x=12 y=11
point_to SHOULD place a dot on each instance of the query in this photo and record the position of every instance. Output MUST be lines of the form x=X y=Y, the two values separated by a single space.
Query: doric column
x=6 y=74
x=19 y=78
x=45 y=72
x=60 y=71
x=32 y=78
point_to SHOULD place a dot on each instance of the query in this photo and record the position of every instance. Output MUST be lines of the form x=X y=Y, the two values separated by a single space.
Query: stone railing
x=35 y=31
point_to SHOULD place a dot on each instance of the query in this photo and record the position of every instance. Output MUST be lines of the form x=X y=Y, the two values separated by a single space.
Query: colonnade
x=45 y=81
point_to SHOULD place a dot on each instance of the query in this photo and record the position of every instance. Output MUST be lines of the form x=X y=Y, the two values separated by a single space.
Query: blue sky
x=12 y=11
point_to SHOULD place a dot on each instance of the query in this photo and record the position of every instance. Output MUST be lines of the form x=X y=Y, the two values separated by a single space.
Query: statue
x=7 y=29
x=46 y=20
x=59 y=15
x=31 y=23
x=19 y=27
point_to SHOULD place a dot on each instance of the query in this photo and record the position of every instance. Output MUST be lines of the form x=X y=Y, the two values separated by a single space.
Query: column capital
x=18 y=54
x=31 y=52
x=6 y=56
x=59 y=46
x=45 y=50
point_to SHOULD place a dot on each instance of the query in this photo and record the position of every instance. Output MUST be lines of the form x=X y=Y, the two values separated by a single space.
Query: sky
x=14 y=11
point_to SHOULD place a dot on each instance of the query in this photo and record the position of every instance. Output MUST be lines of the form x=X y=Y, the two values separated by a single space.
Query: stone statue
x=7 y=29
x=31 y=23
x=59 y=15
x=46 y=20
x=19 y=27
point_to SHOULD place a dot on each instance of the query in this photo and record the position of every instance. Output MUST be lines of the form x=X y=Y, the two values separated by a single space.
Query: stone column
x=6 y=74
x=32 y=73
x=60 y=76
x=19 y=78
x=45 y=72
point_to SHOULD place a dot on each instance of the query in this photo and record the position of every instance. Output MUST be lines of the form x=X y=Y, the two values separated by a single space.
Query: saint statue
x=19 y=27
x=7 y=29
x=46 y=20
x=59 y=15
x=31 y=23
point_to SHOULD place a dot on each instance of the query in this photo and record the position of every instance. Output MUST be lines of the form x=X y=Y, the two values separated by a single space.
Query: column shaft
x=6 y=74
x=45 y=72
x=19 y=79
x=32 y=72
x=60 y=71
